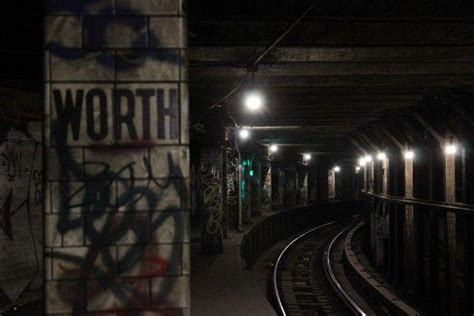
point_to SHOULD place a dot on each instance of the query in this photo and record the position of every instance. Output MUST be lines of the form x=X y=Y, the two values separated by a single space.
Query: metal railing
x=460 y=207
x=418 y=244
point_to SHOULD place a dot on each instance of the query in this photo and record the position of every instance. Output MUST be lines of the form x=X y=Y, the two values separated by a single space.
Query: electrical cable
x=263 y=54
x=269 y=48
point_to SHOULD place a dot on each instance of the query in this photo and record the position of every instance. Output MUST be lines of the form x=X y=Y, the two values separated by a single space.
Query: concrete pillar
x=339 y=184
x=245 y=192
x=385 y=176
x=290 y=186
x=450 y=197
x=302 y=181
x=117 y=158
x=312 y=183
x=371 y=175
x=331 y=184
x=348 y=181
x=468 y=198
x=278 y=185
x=232 y=183
x=409 y=233
x=366 y=177
x=323 y=185
x=267 y=186
x=212 y=231
x=255 y=187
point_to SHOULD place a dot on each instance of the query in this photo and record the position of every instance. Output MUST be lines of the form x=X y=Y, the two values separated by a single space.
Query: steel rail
x=276 y=268
x=335 y=283
x=422 y=202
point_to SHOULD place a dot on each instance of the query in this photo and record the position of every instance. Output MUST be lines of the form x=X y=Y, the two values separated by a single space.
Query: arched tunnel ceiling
x=347 y=68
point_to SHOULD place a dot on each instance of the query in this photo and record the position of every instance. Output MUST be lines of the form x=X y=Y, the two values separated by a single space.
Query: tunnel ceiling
x=347 y=67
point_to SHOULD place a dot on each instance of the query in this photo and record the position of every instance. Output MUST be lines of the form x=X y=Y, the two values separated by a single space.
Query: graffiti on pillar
x=21 y=206
x=99 y=28
x=232 y=178
x=116 y=219
x=105 y=220
x=266 y=186
x=213 y=204
x=213 y=212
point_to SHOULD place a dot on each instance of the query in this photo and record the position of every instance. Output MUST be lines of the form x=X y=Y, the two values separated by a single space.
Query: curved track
x=305 y=281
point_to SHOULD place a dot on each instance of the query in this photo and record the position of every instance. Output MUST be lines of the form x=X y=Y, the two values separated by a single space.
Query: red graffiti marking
x=159 y=266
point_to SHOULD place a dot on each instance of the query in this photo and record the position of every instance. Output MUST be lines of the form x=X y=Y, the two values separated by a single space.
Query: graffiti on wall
x=21 y=225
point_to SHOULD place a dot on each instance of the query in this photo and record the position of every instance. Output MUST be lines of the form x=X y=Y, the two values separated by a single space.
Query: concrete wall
x=116 y=142
x=21 y=218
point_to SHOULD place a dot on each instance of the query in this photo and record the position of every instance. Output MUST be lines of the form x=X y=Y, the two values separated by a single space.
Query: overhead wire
x=263 y=54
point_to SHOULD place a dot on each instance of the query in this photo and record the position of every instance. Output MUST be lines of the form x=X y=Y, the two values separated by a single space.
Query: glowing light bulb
x=273 y=148
x=244 y=133
x=451 y=149
x=357 y=169
x=253 y=101
x=362 y=162
x=409 y=154
x=307 y=156
x=337 y=169
x=368 y=158
x=381 y=156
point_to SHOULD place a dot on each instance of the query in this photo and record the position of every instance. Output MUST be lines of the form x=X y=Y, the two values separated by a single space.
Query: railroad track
x=309 y=277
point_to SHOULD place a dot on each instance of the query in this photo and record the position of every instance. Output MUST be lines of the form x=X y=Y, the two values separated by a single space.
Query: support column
x=331 y=174
x=212 y=232
x=117 y=158
x=468 y=188
x=302 y=179
x=312 y=183
x=450 y=197
x=385 y=176
x=323 y=185
x=290 y=186
x=232 y=186
x=278 y=185
x=371 y=175
x=409 y=234
x=267 y=186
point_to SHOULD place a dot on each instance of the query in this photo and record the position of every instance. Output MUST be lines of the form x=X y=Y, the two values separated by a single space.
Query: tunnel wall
x=117 y=158
x=21 y=214
x=424 y=248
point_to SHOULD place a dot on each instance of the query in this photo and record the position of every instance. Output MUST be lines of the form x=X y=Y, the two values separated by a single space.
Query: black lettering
x=69 y=113
x=146 y=94
x=171 y=111
x=102 y=97
x=126 y=118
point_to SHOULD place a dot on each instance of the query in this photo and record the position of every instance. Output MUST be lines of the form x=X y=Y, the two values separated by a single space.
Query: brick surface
x=116 y=131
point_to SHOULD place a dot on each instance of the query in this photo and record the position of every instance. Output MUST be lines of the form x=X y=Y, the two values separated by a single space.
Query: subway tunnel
x=172 y=157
